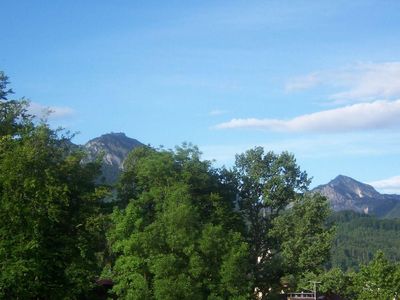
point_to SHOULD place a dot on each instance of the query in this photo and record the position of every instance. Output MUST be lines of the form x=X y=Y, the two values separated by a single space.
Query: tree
x=332 y=283
x=304 y=240
x=378 y=280
x=360 y=236
x=14 y=117
x=177 y=238
x=49 y=217
x=4 y=91
x=285 y=228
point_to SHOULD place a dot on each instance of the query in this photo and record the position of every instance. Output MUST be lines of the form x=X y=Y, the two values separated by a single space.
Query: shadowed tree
x=49 y=217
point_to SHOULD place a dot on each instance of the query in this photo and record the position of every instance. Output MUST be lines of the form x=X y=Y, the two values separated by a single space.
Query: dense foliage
x=364 y=260
x=178 y=238
x=378 y=280
x=192 y=232
x=180 y=229
x=49 y=217
x=360 y=236
x=286 y=231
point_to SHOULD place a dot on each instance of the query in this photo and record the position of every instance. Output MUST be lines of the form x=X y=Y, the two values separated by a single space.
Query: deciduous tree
x=49 y=217
x=285 y=227
x=175 y=238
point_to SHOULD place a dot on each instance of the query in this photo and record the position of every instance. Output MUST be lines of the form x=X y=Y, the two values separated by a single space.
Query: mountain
x=345 y=193
x=359 y=236
x=114 y=147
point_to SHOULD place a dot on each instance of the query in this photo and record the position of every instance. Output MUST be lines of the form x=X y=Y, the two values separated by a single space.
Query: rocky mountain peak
x=113 y=147
x=346 y=193
x=352 y=187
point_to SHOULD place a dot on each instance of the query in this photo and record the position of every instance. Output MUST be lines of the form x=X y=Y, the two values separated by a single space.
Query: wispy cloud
x=389 y=185
x=52 y=112
x=361 y=116
x=202 y=82
x=316 y=147
x=217 y=112
x=358 y=83
x=303 y=82
x=372 y=81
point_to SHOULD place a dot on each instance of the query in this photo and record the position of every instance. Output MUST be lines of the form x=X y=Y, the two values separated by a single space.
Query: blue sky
x=320 y=79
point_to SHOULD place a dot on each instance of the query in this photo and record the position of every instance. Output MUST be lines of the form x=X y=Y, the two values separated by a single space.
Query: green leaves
x=223 y=233
x=49 y=210
x=359 y=236
x=182 y=229
x=378 y=280
x=304 y=239
x=285 y=228
x=176 y=232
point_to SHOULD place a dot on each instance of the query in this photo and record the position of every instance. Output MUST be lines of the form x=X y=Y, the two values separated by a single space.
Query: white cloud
x=361 y=116
x=372 y=81
x=389 y=185
x=358 y=83
x=52 y=112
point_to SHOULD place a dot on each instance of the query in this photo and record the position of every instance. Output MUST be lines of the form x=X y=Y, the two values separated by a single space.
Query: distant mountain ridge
x=346 y=193
x=114 y=147
x=343 y=192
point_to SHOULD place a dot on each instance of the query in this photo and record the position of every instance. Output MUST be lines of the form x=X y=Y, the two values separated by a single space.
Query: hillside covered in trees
x=360 y=236
x=179 y=228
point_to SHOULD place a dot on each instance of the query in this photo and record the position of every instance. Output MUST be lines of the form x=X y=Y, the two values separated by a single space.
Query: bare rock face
x=345 y=193
x=113 y=148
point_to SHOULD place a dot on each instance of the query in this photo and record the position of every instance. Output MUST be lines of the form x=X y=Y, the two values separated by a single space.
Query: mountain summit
x=353 y=188
x=346 y=193
x=114 y=147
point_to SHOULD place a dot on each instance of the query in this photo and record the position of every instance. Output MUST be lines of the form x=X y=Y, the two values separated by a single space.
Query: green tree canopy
x=49 y=218
x=285 y=228
x=177 y=238
x=378 y=280
x=331 y=283
x=360 y=236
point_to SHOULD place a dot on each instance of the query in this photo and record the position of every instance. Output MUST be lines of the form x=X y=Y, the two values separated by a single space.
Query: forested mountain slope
x=359 y=236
